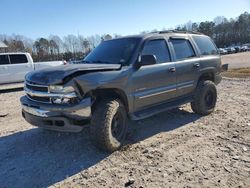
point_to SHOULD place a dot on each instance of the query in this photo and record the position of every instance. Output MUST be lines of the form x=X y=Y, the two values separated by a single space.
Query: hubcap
x=117 y=126
x=209 y=99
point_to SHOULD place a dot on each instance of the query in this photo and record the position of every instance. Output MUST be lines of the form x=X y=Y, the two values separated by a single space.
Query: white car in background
x=14 y=66
x=222 y=51
x=245 y=48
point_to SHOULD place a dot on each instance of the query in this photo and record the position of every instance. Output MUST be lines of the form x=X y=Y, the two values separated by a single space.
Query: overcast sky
x=40 y=18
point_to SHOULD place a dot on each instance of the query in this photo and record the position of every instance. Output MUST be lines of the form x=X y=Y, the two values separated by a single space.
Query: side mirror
x=147 y=60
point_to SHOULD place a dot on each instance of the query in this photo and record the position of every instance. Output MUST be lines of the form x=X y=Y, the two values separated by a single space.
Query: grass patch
x=237 y=73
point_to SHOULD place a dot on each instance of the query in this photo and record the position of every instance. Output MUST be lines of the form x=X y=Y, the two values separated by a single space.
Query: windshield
x=117 y=51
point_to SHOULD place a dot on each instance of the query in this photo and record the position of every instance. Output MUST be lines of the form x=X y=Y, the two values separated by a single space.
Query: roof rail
x=177 y=31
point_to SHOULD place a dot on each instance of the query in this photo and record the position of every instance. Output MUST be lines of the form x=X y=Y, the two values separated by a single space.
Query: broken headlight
x=61 y=89
x=63 y=95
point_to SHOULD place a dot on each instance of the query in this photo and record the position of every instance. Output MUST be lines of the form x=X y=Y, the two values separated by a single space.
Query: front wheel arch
x=103 y=93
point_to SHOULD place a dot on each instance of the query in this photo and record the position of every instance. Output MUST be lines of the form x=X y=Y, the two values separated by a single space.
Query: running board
x=160 y=108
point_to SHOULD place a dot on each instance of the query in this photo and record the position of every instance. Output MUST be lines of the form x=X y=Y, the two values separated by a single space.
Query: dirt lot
x=238 y=60
x=173 y=149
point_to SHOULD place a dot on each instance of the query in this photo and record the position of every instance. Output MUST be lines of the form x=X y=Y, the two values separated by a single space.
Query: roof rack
x=177 y=31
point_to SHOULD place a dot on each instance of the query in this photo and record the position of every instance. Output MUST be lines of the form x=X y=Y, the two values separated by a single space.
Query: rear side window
x=182 y=48
x=4 y=60
x=205 y=45
x=17 y=59
x=159 y=49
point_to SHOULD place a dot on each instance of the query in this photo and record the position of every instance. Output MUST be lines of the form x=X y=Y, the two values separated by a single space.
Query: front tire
x=109 y=125
x=205 y=98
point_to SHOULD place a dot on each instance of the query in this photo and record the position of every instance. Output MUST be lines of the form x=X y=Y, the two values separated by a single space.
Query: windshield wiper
x=101 y=62
x=84 y=61
x=79 y=62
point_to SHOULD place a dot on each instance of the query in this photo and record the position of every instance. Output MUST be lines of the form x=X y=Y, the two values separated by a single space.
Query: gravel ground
x=173 y=149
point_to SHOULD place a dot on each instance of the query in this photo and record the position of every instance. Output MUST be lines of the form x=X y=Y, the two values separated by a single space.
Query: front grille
x=35 y=87
x=42 y=94
x=39 y=99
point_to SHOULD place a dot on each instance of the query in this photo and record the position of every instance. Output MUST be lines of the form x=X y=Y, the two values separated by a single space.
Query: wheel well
x=207 y=76
x=99 y=94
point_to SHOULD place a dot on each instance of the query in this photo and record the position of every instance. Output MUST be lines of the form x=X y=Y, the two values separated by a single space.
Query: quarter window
x=18 y=59
x=182 y=48
x=205 y=45
x=4 y=60
x=159 y=49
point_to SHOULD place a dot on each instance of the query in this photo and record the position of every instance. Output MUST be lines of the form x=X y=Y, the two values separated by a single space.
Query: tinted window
x=182 y=48
x=157 y=48
x=205 y=45
x=4 y=60
x=117 y=51
x=16 y=59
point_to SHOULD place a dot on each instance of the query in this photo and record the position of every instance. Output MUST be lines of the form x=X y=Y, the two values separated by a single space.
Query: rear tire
x=205 y=98
x=109 y=125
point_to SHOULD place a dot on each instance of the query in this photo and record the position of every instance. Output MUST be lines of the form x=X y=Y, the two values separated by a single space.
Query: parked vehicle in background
x=245 y=47
x=230 y=50
x=237 y=49
x=135 y=76
x=222 y=51
x=14 y=66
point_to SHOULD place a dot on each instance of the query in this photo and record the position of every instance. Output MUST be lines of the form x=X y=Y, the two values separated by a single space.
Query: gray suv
x=131 y=77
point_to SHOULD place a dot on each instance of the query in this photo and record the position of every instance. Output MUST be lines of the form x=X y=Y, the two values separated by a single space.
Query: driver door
x=154 y=84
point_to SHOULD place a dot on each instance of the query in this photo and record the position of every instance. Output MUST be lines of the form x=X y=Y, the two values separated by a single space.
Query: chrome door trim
x=158 y=93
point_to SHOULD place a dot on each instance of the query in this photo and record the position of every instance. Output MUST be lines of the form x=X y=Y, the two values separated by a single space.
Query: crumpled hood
x=58 y=74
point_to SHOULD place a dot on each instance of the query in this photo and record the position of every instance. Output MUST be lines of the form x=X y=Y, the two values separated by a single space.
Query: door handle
x=196 y=65
x=172 y=69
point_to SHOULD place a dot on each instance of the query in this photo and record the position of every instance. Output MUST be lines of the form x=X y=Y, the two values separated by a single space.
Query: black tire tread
x=196 y=105
x=101 y=117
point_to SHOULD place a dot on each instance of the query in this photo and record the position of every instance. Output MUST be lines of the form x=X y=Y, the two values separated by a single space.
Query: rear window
x=18 y=58
x=4 y=60
x=182 y=48
x=205 y=45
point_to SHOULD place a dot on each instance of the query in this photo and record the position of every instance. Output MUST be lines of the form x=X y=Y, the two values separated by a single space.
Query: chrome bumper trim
x=35 y=111
x=80 y=111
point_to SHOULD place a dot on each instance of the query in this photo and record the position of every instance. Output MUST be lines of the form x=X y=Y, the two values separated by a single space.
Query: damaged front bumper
x=57 y=117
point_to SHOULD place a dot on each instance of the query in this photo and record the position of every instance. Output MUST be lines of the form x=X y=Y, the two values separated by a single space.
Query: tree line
x=224 y=32
x=53 y=47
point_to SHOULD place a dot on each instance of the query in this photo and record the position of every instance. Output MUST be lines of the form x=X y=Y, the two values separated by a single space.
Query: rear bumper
x=57 y=117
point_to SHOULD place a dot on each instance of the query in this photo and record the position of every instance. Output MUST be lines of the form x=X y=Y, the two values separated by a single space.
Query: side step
x=159 y=108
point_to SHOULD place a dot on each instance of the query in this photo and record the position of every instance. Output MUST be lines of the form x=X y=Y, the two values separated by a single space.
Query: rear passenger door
x=19 y=67
x=154 y=84
x=4 y=69
x=187 y=65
